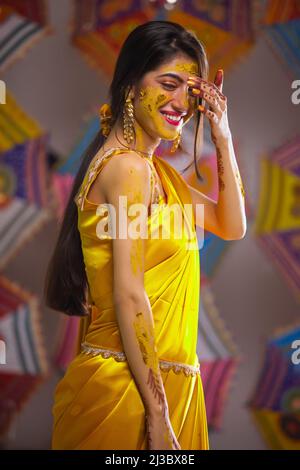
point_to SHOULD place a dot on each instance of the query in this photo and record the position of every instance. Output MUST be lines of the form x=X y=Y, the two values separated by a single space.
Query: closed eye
x=169 y=86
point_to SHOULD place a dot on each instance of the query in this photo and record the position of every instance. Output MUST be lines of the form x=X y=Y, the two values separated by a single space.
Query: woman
x=136 y=382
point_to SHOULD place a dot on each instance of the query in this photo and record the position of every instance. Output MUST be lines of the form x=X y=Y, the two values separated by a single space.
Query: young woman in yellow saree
x=136 y=381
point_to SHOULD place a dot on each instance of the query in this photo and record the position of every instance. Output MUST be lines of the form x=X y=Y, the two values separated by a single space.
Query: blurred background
x=56 y=63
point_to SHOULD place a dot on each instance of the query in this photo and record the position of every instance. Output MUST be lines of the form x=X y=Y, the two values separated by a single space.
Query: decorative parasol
x=16 y=126
x=99 y=28
x=280 y=26
x=22 y=24
x=226 y=27
x=25 y=365
x=275 y=404
x=277 y=225
x=25 y=204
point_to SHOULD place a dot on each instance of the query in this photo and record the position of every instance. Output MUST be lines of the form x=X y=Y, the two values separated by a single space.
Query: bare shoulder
x=126 y=166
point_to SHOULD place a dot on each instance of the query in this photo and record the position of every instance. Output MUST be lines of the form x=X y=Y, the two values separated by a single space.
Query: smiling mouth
x=171 y=119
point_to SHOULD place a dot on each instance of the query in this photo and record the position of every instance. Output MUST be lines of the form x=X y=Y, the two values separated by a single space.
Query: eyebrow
x=172 y=75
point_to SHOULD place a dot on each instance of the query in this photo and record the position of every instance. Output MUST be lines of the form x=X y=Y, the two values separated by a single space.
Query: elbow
x=125 y=296
x=237 y=234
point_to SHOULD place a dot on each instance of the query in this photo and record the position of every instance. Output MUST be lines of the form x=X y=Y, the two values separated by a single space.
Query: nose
x=180 y=101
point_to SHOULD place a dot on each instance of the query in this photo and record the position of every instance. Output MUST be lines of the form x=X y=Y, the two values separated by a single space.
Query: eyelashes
x=168 y=86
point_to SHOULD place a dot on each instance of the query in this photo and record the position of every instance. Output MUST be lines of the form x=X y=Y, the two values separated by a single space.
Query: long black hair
x=146 y=48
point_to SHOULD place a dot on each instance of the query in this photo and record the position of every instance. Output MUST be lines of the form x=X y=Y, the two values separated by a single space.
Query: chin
x=158 y=134
x=167 y=135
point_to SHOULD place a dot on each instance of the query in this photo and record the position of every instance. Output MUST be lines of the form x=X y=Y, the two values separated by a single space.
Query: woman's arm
x=225 y=218
x=129 y=176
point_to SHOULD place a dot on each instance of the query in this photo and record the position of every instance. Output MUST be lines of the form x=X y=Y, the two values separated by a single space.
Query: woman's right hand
x=160 y=433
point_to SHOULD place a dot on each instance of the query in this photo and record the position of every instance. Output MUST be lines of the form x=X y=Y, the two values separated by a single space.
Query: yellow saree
x=97 y=404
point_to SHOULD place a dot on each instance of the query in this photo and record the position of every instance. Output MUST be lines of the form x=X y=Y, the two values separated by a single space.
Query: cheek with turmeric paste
x=151 y=99
x=190 y=68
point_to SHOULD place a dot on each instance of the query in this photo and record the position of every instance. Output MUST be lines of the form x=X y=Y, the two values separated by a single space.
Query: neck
x=144 y=142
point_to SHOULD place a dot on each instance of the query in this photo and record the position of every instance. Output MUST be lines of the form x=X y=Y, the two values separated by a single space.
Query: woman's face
x=162 y=105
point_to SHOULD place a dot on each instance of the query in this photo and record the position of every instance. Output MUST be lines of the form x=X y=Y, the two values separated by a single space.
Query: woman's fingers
x=219 y=79
x=209 y=87
x=212 y=99
x=216 y=100
x=210 y=114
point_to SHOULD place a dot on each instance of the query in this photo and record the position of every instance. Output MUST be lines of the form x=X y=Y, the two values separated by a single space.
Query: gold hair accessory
x=105 y=119
x=176 y=142
x=128 y=121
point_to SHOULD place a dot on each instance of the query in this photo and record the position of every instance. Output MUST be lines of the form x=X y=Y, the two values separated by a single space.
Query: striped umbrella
x=277 y=225
x=99 y=27
x=227 y=28
x=24 y=364
x=280 y=25
x=22 y=24
x=275 y=403
x=16 y=126
x=25 y=202
x=24 y=206
x=276 y=11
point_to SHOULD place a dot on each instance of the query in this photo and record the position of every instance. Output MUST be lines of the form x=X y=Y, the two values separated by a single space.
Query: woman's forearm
x=230 y=207
x=138 y=338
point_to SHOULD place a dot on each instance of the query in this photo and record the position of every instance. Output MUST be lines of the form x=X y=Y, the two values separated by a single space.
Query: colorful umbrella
x=280 y=26
x=26 y=365
x=277 y=225
x=99 y=28
x=284 y=42
x=24 y=205
x=276 y=11
x=225 y=27
x=16 y=126
x=25 y=202
x=275 y=404
x=22 y=24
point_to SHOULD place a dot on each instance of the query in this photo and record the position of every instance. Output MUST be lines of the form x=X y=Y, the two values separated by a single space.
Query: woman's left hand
x=217 y=110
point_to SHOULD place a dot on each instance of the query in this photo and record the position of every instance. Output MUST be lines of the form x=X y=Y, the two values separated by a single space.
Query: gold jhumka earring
x=176 y=142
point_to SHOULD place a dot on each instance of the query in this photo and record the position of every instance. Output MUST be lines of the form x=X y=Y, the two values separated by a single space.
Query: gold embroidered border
x=120 y=356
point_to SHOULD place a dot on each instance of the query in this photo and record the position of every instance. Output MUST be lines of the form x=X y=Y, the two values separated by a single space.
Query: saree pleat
x=97 y=404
